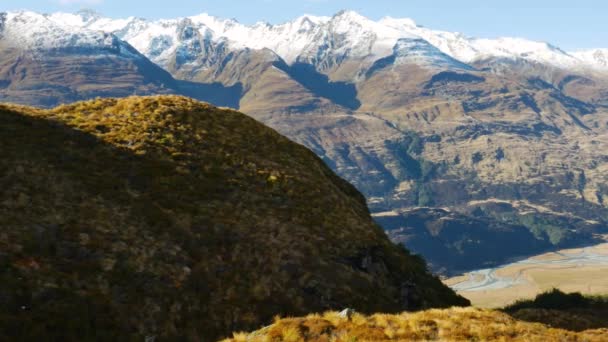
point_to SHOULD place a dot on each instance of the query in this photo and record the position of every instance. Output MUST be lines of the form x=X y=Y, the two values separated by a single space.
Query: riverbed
x=581 y=269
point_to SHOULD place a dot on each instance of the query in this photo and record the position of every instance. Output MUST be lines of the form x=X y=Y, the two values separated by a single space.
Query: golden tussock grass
x=455 y=324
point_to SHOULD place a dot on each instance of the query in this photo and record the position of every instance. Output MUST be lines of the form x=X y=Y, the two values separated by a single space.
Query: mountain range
x=316 y=40
x=486 y=140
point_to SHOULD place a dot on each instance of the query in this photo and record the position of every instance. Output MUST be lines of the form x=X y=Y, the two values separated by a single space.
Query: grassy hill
x=566 y=317
x=166 y=217
x=458 y=324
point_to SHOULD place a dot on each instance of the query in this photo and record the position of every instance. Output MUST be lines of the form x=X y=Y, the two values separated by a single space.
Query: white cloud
x=79 y=2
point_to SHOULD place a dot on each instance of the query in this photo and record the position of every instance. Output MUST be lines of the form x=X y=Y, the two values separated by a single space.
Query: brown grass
x=169 y=217
x=456 y=324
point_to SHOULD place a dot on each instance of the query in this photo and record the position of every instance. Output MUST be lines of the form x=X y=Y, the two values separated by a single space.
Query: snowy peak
x=398 y=23
x=347 y=34
x=217 y=25
x=351 y=17
x=598 y=58
x=78 y=19
x=89 y=15
x=35 y=32
x=304 y=24
x=517 y=48
x=419 y=51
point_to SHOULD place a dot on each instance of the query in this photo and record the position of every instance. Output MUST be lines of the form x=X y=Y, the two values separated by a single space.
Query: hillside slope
x=167 y=217
x=456 y=324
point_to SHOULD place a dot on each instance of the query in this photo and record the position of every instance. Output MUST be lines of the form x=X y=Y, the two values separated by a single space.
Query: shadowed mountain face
x=461 y=241
x=340 y=93
x=67 y=75
x=50 y=77
x=477 y=241
x=216 y=93
x=514 y=139
x=165 y=217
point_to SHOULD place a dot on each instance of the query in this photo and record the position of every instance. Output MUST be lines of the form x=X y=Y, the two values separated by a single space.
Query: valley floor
x=582 y=270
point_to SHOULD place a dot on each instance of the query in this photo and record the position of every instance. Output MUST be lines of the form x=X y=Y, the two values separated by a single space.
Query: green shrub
x=558 y=300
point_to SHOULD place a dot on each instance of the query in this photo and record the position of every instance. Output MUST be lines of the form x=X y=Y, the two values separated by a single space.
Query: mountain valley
x=508 y=131
x=579 y=270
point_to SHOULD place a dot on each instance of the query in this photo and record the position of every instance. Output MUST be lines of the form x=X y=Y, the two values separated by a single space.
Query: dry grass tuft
x=455 y=324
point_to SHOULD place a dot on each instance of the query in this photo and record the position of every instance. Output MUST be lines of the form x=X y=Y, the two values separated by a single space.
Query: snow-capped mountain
x=419 y=51
x=36 y=32
x=312 y=39
x=469 y=50
x=320 y=56
x=43 y=62
x=597 y=58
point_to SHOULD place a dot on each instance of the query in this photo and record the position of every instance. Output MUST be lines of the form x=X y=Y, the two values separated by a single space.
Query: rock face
x=165 y=217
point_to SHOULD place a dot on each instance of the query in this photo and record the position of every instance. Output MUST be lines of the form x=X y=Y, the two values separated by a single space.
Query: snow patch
x=597 y=58
x=419 y=51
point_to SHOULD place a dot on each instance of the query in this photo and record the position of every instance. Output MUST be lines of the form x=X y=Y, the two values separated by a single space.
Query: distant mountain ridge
x=309 y=37
x=44 y=63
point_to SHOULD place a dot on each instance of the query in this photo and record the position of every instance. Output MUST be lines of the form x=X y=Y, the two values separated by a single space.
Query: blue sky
x=573 y=24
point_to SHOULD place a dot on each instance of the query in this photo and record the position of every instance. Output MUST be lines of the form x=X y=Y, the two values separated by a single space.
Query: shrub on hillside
x=556 y=300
